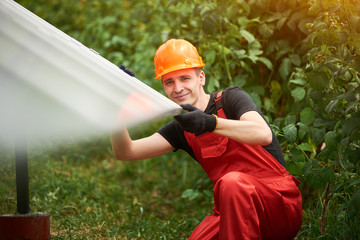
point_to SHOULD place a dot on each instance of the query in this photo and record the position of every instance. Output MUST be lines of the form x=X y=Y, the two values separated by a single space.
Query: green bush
x=299 y=60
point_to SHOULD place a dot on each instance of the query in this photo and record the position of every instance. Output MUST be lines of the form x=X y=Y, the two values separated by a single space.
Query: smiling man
x=254 y=196
x=181 y=88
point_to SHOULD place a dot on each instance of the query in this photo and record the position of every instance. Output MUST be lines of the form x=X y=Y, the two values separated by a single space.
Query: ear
x=202 y=78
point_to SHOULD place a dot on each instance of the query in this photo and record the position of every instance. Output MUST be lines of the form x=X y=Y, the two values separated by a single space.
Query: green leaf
x=255 y=44
x=298 y=93
x=254 y=52
x=292 y=22
x=332 y=67
x=269 y=105
x=330 y=140
x=295 y=168
x=354 y=202
x=245 y=6
x=248 y=36
x=316 y=96
x=276 y=91
x=351 y=124
x=256 y=98
x=213 y=82
x=240 y=53
x=330 y=107
x=285 y=68
x=356 y=182
x=313 y=176
x=353 y=156
x=281 y=22
x=317 y=175
x=303 y=130
x=190 y=194
x=306 y=147
x=273 y=17
x=267 y=62
x=240 y=80
x=307 y=116
x=208 y=193
x=295 y=59
x=210 y=56
x=328 y=174
x=318 y=135
x=318 y=80
x=315 y=8
x=283 y=48
x=290 y=119
x=290 y=132
x=318 y=123
x=244 y=65
x=298 y=81
x=265 y=31
x=297 y=155
x=357 y=63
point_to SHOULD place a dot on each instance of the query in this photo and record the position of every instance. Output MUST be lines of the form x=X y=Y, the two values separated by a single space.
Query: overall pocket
x=213 y=147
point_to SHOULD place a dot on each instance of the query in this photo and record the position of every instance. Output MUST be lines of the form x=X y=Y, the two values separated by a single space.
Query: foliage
x=330 y=127
x=300 y=62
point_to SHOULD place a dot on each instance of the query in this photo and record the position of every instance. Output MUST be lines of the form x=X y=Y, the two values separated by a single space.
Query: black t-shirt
x=235 y=102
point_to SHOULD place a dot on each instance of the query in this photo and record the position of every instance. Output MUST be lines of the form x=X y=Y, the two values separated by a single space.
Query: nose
x=178 y=87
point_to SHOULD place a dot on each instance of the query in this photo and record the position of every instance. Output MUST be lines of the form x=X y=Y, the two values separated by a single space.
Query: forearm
x=126 y=149
x=121 y=145
x=248 y=132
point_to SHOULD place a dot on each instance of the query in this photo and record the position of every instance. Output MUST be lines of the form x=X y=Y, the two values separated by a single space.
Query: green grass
x=90 y=195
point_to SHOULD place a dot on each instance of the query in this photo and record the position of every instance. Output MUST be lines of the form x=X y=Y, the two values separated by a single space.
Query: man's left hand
x=127 y=70
x=196 y=121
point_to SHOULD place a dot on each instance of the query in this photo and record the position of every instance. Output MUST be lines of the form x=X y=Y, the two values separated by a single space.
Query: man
x=255 y=197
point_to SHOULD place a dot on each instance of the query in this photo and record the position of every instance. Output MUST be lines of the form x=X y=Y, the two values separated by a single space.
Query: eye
x=185 y=78
x=169 y=82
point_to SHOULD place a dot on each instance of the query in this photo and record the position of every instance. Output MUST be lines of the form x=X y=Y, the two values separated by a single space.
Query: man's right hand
x=196 y=121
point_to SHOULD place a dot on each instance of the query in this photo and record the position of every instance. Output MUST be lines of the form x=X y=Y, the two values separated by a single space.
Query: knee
x=235 y=183
x=230 y=179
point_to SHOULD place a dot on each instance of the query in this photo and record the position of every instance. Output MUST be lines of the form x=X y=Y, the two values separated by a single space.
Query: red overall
x=255 y=197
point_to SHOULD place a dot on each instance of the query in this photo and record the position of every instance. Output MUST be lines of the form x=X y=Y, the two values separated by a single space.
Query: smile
x=181 y=97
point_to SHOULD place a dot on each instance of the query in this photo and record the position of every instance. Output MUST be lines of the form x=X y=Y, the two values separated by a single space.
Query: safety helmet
x=176 y=54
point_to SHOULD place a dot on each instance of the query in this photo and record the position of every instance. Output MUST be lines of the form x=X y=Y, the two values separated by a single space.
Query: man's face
x=184 y=85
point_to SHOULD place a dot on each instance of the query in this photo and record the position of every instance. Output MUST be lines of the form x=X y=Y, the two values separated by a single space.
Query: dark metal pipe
x=22 y=178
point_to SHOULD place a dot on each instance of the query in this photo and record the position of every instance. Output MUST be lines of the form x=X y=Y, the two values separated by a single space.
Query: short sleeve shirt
x=235 y=102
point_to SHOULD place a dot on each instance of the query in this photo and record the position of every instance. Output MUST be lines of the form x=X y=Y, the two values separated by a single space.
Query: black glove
x=196 y=121
x=128 y=71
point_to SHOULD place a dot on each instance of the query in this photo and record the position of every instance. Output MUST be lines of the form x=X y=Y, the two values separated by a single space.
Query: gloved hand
x=196 y=121
x=127 y=70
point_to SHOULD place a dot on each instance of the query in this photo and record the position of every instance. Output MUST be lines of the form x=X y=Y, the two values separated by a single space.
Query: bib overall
x=254 y=196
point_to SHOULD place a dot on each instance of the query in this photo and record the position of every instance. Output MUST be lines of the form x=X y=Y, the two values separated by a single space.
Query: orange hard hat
x=176 y=54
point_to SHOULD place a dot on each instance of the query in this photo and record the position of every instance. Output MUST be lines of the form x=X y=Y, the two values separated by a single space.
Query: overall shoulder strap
x=219 y=105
